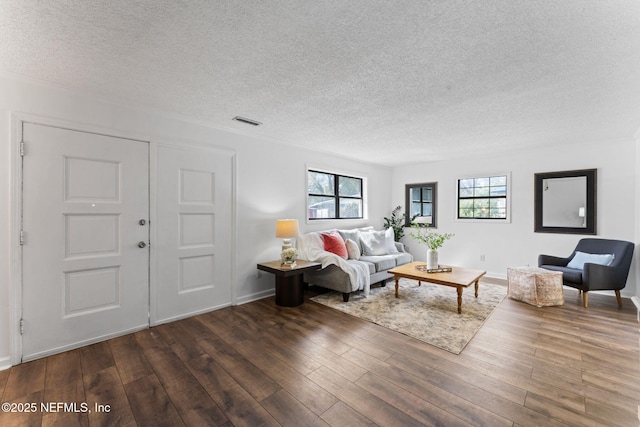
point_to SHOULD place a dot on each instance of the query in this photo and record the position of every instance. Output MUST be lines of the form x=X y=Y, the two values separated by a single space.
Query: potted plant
x=396 y=222
x=433 y=240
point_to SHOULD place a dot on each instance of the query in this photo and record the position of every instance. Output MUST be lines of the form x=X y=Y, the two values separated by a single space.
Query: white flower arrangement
x=432 y=239
x=289 y=255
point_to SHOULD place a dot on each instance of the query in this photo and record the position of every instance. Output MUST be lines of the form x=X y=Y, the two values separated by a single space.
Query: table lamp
x=286 y=229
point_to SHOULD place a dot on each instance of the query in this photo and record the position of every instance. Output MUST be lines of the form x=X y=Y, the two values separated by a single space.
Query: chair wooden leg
x=585 y=299
x=619 y=298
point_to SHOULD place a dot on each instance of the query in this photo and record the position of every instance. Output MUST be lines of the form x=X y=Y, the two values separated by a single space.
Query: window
x=333 y=196
x=420 y=204
x=483 y=197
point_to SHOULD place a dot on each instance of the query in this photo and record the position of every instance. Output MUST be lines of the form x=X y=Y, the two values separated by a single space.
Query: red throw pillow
x=334 y=243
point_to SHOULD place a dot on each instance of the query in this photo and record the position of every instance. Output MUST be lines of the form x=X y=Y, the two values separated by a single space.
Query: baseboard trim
x=636 y=301
x=5 y=363
x=255 y=297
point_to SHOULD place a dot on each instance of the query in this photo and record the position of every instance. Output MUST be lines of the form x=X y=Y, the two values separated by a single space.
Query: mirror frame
x=591 y=175
x=434 y=211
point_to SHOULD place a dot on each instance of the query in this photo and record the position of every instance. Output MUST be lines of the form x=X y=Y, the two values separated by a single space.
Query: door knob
x=142 y=222
x=142 y=245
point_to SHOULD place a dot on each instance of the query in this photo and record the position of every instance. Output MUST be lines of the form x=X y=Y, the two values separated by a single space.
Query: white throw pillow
x=352 y=249
x=390 y=241
x=374 y=243
x=581 y=258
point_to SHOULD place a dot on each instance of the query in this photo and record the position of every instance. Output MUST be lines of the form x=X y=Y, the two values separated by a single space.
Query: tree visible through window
x=333 y=196
x=483 y=198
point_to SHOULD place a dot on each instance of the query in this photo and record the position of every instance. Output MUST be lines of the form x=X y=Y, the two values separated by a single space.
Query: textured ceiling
x=389 y=82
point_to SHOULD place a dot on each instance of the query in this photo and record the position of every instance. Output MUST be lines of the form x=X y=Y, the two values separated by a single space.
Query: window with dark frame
x=334 y=196
x=483 y=198
x=420 y=204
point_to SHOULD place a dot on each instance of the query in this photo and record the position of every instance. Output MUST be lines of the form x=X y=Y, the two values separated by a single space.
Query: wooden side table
x=289 y=286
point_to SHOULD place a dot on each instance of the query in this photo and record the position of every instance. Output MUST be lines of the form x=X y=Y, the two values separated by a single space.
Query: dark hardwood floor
x=260 y=364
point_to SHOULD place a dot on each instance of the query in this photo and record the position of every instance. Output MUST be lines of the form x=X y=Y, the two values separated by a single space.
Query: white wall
x=515 y=244
x=270 y=179
x=273 y=180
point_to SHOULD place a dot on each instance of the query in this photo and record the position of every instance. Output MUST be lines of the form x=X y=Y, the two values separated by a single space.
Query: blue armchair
x=591 y=268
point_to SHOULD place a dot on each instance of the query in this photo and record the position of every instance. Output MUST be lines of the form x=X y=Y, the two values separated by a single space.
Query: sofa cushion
x=381 y=262
x=389 y=237
x=403 y=258
x=371 y=266
x=374 y=243
x=334 y=243
x=568 y=274
x=352 y=249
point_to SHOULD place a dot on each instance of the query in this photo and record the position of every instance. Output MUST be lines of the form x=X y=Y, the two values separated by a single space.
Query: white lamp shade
x=287 y=228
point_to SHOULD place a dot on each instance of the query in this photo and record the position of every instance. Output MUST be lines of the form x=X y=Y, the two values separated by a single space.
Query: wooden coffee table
x=458 y=278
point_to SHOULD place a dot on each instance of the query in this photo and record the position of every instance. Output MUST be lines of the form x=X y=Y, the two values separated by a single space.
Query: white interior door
x=194 y=241
x=85 y=278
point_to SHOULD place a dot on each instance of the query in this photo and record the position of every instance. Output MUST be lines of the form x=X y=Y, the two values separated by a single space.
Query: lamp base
x=286 y=244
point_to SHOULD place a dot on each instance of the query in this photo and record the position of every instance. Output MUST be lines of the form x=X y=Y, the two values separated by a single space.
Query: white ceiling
x=389 y=82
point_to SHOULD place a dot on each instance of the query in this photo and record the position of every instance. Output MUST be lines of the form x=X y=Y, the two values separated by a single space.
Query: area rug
x=428 y=313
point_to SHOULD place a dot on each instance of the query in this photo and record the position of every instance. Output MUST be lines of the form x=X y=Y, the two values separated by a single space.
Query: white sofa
x=368 y=264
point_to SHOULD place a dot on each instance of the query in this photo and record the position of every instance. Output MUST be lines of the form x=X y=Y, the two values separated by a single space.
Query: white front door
x=85 y=253
x=194 y=233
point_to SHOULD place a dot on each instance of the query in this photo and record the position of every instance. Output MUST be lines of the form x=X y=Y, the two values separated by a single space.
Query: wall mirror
x=420 y=204
x=565 y=202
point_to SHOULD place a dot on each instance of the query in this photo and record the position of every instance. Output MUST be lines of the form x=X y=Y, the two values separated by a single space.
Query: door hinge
x=21 y=237
x=21 y=326
x=22 y=149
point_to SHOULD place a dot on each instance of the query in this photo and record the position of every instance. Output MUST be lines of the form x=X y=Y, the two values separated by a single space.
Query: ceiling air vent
x=247 y=121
